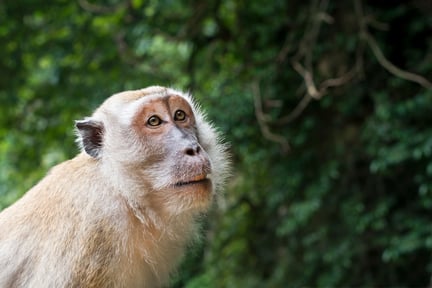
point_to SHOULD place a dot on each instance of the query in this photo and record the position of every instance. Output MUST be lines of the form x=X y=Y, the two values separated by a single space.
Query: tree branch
x=308 y=80
x=262 y=119
x=393 y=69
x=379 y=55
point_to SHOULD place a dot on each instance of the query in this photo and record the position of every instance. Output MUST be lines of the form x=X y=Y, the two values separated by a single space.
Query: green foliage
x=348 y=205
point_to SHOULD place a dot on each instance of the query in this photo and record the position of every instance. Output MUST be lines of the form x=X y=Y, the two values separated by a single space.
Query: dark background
x=327 y=106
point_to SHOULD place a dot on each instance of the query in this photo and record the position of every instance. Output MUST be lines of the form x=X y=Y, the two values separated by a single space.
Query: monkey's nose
x=193 y=151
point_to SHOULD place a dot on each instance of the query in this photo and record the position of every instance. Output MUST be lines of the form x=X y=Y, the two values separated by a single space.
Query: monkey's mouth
x=200 y=179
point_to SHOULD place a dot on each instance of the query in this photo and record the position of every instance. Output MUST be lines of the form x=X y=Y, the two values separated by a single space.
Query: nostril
x=190 y=152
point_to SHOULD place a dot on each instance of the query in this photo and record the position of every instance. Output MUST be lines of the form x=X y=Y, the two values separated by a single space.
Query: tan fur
x=113 y=217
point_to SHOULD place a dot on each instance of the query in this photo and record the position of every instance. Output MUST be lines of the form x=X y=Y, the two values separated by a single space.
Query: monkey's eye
x=154 y=121
x=179 y=115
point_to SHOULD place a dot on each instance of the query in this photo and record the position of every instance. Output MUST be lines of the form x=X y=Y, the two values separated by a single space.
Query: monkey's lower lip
x=196 y=180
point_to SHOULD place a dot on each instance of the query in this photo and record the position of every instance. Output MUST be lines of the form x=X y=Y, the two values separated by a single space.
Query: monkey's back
x=62 y=250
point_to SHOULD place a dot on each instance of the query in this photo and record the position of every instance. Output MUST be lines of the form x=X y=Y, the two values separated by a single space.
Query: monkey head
x=156 y=149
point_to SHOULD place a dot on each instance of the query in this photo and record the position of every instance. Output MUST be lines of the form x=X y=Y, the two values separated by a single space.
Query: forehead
x=127 y=104
x=162 y=104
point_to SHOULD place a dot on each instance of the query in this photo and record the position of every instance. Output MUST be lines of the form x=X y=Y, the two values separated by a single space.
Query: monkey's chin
x=194 y=195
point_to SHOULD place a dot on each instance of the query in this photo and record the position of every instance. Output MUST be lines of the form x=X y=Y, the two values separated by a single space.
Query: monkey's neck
x=158 y=241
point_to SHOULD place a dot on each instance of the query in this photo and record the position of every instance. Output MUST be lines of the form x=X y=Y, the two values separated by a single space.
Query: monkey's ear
x=90 y=136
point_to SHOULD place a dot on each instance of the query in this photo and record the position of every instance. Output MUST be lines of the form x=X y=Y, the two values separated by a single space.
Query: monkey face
x=157 y=139
x=177 y=166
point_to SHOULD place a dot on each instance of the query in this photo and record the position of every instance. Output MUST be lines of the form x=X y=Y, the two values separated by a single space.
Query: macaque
x=121 y=213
